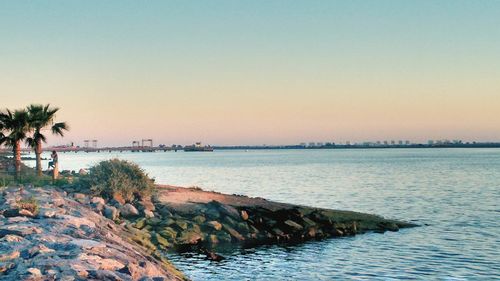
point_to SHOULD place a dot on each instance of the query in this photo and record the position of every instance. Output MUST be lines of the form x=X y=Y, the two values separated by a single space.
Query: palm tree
x=41 y=117
x=16 y=126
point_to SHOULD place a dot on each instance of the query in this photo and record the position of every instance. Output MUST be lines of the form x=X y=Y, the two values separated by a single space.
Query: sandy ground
x=184 y=197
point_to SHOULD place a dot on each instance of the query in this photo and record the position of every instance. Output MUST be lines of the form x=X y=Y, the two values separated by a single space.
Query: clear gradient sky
x=254 y=72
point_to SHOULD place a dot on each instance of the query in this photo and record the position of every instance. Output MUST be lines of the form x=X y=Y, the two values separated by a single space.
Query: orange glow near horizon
x=260 y=73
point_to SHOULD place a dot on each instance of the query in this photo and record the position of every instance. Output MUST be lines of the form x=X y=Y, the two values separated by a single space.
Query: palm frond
x=30 y=142
x=59 y=128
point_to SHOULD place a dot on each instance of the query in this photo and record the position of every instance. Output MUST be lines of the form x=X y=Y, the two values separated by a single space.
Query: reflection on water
x=453 y=193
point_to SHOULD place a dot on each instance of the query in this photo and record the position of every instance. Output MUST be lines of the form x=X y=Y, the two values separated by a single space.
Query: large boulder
x=111 y=212
x=128 y=210
x=97 y=200
x=189 y=237
x=148 y=214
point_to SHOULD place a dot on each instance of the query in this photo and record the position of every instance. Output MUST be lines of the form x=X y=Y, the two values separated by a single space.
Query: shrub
x=117 y=178
x=30 y=204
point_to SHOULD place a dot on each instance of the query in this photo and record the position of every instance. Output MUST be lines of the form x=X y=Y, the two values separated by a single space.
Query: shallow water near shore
x=453 y=193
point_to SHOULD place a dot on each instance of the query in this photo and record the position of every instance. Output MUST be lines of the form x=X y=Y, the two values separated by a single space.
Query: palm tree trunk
x=38 y=153
x=17 y=158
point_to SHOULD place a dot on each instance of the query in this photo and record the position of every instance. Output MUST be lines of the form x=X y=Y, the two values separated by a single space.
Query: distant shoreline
x=274 y=147
x=363 y=146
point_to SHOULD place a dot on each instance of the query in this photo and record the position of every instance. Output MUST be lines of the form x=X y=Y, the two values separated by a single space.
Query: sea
x=452 y=193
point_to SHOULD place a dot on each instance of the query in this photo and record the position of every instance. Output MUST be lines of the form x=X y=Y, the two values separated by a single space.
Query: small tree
x=41 y=117
x=15 y=126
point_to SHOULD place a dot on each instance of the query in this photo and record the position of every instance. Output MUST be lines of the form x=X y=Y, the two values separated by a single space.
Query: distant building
x=430 y=142
x=400 y=142
x=393 y=142
x=312 y=144
x=407 y=142
x=386 y=143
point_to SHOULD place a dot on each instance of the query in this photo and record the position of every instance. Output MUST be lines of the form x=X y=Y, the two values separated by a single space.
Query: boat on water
x=198 y=147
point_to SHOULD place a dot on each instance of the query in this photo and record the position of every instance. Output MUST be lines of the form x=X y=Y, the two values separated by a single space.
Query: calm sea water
x=453 y=193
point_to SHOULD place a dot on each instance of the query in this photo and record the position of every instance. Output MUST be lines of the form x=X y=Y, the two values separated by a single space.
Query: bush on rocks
x=29 y=204
x=117 y=178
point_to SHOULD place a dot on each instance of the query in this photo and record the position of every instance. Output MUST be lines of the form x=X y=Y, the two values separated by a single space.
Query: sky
x=256 y=72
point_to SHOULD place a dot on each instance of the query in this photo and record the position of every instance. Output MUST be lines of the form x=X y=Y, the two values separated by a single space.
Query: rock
x=167 y=222
x=13 y=212
x=6 y=267
x=36 y=250
x=199 y=219
x=164 y=212
x=215 y=225
x=148 y=214
x=58 y=202
x=16 y=220
x=47 y=213
x=12 y=238
x=182 y=224
x=128 y=210
x=311 y=232
x=308 y=222
x=132 y=270
x=111 y=212
x=294 y=226
x=51 y=273
x=104 y=275
x=146 y=204
x=79 y=196
x=223 y=237
x=9 y=256
x=278 y=231
x=153 y=221
x=235 y=234
x=189 y=238
x=82 y=172
x=169 y=233
x=140 y=223
x=212 y=212
x=161 y=241
x=26 y=213
x=87 y=244
x=98 y=208
x=97 y=200
x=212 y=239
x=224 y=209
x=213 y=256
x=34 y=272
x=244 y=215
x=101 y=263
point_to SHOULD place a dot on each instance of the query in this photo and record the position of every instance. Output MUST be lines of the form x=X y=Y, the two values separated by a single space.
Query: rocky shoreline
x=61 y=234
x=47 y=235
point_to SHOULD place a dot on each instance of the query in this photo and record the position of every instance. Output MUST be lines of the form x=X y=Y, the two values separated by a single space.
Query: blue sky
x=283 y=71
